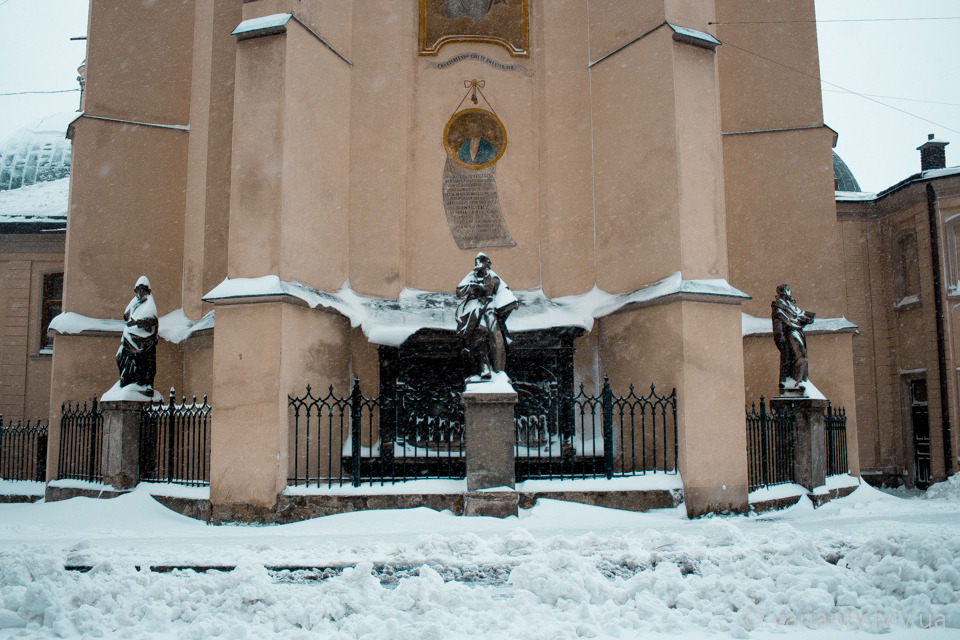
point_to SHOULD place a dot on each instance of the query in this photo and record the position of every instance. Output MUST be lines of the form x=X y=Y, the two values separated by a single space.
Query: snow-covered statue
x=788 y=323
x=482 y=319
x=137 y=356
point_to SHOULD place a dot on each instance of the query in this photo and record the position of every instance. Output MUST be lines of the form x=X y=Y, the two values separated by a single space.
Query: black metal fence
x=594 y=435
x=81 y=440
x=836 y=437
x=23 y=451
x=771 y=445
x=417 y=433
x=174 y=442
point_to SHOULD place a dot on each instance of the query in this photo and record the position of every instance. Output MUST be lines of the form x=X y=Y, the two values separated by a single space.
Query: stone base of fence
x=498 y=504
x=811 y=458
x=121 y=443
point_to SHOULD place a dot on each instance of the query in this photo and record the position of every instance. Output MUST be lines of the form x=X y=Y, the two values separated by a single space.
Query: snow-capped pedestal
x=489 y=447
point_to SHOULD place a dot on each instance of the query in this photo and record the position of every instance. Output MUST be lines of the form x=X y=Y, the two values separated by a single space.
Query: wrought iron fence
x=594 y=435
x=81 y=441
x=174 y=442
x=23 y=451
x=418 y=433
x=771 y=447
x=836 y=437
x=413 y=434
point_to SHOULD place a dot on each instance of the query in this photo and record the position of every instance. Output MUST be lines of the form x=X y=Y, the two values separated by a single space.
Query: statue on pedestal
x=788 y=323
x=137 y=356
x=482 y=318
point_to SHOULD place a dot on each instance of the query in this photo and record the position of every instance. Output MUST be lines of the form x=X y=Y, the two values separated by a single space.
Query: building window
x=906 y=283
x=52 y=306
x=951 y=241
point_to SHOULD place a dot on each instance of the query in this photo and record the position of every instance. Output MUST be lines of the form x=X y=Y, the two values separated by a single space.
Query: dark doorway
x=920 y=419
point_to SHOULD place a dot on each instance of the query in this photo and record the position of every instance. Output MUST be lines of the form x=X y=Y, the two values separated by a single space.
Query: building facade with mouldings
x=900 y=248
x=272 y=162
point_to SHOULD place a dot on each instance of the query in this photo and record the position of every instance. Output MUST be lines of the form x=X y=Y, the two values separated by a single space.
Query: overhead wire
x=832 y=84
x=24 y=93
x=838 y=20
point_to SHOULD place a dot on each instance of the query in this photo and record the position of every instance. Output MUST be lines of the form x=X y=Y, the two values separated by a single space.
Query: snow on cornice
x=754 y=326
x=174 y=327
x=391 y=322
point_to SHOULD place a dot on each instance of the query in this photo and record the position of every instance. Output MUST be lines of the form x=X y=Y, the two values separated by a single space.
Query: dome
x=38 y=153
x=843 y=179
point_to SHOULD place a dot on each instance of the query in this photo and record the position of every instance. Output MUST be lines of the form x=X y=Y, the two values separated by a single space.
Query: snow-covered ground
x=868 y=563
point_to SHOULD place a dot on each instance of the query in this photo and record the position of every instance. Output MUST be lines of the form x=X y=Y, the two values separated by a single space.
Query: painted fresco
x=503 y=22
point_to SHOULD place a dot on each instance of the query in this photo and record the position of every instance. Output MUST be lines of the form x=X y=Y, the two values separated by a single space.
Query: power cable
x=24 y=93
x=819 y=79
x=838 y=20
x=873 y=95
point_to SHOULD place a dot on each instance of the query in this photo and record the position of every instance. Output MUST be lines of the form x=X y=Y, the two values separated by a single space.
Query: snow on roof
x=854 y=196
x=754 y=326
x=41 y=202
x=391 y=322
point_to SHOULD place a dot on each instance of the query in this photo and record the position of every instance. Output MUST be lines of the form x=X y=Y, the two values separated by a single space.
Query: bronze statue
x=137 y=356
x=482 y=319
x=788 y=323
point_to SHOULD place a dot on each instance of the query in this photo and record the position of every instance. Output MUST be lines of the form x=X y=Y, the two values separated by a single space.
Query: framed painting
x=502 y=22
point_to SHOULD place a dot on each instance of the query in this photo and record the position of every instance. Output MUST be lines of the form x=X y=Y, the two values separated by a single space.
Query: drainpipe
x=941 y=339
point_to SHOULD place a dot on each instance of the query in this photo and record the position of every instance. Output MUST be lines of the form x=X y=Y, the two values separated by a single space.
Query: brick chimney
x=933 y=154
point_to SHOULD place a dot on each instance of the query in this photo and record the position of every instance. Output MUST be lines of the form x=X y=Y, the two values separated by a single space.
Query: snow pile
x=948 y=490
x=866 y=563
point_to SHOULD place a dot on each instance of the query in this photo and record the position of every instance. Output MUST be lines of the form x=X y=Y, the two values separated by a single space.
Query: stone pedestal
x=121 y=443
x=490 y=440
x=810 y=419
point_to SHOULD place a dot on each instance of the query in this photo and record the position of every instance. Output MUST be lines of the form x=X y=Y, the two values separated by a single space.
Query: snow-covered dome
x=843 y=179
x=38 y=153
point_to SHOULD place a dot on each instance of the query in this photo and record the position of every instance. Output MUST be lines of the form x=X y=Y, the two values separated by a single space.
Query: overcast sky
x=911 y=65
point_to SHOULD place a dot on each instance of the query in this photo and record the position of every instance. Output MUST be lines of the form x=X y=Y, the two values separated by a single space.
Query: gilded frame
x=431 y=43
x=453 y=147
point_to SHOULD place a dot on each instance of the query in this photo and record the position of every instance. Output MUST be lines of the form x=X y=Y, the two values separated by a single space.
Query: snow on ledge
x=391 y=322
x=754 y=326
x=80 y=484
x=499 y=382
x=22 y=488
x=172 y=490
x=652 y=481
x=129 y=393
x=258 y=24
x=174 y=327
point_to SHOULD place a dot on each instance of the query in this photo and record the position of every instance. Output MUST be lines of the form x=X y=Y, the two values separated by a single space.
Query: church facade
x=283 y=171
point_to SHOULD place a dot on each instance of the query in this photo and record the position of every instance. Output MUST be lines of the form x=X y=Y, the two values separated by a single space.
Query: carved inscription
x=473 y=208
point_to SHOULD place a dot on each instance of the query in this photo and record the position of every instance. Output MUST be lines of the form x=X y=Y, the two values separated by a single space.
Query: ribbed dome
x=843 y=179
x=38 y=153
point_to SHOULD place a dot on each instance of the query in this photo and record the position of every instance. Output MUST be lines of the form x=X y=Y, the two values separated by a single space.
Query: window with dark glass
x=52 y=305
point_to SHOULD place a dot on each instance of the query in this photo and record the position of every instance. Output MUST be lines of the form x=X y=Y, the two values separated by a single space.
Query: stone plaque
x=502 y=22
x=474 y=140
x=473 y=207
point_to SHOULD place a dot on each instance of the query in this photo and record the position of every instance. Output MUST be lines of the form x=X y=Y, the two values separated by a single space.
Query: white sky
x=913 y=62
